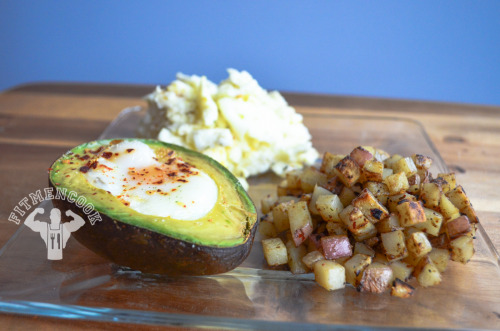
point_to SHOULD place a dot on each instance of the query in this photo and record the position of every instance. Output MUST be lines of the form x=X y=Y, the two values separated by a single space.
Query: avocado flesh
x=228 y=224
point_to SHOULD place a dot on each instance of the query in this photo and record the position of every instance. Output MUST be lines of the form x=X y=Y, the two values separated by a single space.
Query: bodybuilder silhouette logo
x=54 y=234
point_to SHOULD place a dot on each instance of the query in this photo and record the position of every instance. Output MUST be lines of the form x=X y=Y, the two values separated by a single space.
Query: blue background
x=428 y=50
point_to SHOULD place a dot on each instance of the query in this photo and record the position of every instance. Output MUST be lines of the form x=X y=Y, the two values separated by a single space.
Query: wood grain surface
x=39 y=122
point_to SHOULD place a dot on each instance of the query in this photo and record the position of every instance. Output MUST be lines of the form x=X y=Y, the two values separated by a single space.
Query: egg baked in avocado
x=165 y=209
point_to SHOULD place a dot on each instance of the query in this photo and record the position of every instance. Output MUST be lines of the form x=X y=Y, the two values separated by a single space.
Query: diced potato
x=329 y=207
x=280 y=216
x=293 y=179
x=354 y=268
x=380 y=258
x=418 y=245
x=379 y=191
x=300 y=222
x=440 y=257
x=267 y=203
x=405 y=165
x=447 y=209
x=329 y=162
x=401 y=289
x=283 y=189
x=311 y=258
x=317 y=192
x=391 y=160
x=372 y=171
x=458 y=197
x=386 y=173
x=427 y=273
x=360 y=155
x=334 y=185
x=422 y=161
x=373 y=210
x=430 y=195
x=274 y=251
x=357 y=223
x=394 y=200
x=266 y=229
x=376 y=278
x=410 y=213
x=401 y=270
x=360 y=248
x=346 y=196
x=458 y=227
x=441 y=241
x=394 y=245
x=462 y=249
x=295 y=255
x=380 y=154
x=432 y=224
x=311 y=177
x=348 y=171
x=371 y=242
x=397 y=183
x=388 y=224
x=336 y=246
x=451 y=181
x=414 y=182
x=335 y=228
x=329 y=274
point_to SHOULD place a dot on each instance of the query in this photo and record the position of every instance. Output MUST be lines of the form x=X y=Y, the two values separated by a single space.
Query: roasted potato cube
x=422 y=161
x=405 y=165
x=280 y=216
x=397 y=183
x=441 y=241
x=394 y=200
x=370 y=206
x=401 y=270
x=391 y=160
x=274 y=251
x=410 y=213
x=311 y=177
x=388 y=224
x=430 y=195
x=283 y=189
x=379 y=191
x=311 y=258
x=329 y=274
x=462 y=249
x=386 y=173
x=354 y=268
x=293 y=179
x=329 y=162
x=447 y=209
x=440 y=257
x=357 y=223
x=329 y=207
x=360 y=155
x=460 y=200
x=380 y=154
x=376 y=278
x=457 y=227
x=317 y=192
x=346 y=196
x=335 y=228
x=432 y=224
x=380 y=258
x=361 y=248
x=418 y=245
x=347 y=171
x=414 y=182
x=451 y=181
x=295 y=255
x=300 y=222
x=267 y=204
x=401 y=289
x=394 y=245
x=372 y=170
x=427 y=273
x=336 y=246
x=266 y=229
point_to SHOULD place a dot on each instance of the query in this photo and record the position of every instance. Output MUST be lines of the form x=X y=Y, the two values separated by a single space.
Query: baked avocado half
x=161 y=208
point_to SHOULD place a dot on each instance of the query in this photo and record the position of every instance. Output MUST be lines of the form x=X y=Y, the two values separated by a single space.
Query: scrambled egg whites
x=246 y=128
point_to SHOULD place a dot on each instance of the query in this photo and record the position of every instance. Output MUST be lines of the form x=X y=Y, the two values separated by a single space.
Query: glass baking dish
x=84 y=286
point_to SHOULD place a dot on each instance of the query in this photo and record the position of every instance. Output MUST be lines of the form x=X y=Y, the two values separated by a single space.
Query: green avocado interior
x=227 y=224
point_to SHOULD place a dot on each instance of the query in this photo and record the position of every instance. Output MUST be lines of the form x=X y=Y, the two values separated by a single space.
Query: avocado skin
x=151 y=252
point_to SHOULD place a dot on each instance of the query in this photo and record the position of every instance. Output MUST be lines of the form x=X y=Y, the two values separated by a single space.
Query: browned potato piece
x=354 y=268
x=458 y=197
x=394 y=200
x=447 y=209
x=394 y=245
x=418 y=245
x=422 y=161
x=295 y=255
x=379 y=191
x=451 y=181
x=346 y=196
x=347 y=171
x=336 y=246
x=334 y=228
x=329 y=274
x=389 y=224
x=317 y=192
x=462 y=249
x=357 y=223
x=440 y=257
x=267 y=203
x=432 y=224
x=329 y=207
x=311 y=177
x=376 y=278
x=280 y=216
x=275 y=251
x=397 y=183
x=300 y=222
x=430 y=195
x=457 y=227
x=401 y=289
x=410 y=213
x=372 y=171
x=373 y=210
x=401 y=270
x=360 y=248
x=283 y=189
x=329 y=162
x=426 y=273
x=389 y=162
x=405 y=165
x=312 y=257
x=360 y=155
